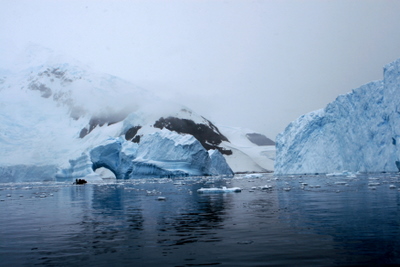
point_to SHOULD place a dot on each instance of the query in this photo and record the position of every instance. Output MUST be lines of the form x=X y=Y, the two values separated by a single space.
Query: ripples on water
x=302 y=220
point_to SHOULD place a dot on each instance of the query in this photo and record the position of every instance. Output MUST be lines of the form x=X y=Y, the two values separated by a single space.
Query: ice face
x=27 y=173
x=218 y=164
x=359 y=131
x=160 y=154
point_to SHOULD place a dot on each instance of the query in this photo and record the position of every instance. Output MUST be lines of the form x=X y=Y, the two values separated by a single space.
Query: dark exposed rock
x=260 y=139
x=43 y=89
x=136 y=139
x=130 y=134
x=83 y=132
x=100 y=121
x=56 y=73
x=207 y=134
x=224 y=151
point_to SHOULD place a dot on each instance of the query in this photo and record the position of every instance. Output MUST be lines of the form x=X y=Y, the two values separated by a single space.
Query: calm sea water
x=301 y=221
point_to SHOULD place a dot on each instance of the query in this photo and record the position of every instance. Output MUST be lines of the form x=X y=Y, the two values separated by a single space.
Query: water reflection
x=128 y=219
x=362 y=221
x=319 y=221
x=197 y=221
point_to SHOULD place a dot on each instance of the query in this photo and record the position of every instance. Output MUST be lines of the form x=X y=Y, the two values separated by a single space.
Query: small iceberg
x=343 y=173
x=224 y=189
x=266 y=187
x=253 y=175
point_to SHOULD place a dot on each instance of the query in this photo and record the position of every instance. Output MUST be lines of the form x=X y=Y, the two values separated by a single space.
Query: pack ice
x=359 y=131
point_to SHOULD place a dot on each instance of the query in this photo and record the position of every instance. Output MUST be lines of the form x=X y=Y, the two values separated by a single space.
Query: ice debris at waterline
x=219 y=190
x=160 y=154
x=359 y=131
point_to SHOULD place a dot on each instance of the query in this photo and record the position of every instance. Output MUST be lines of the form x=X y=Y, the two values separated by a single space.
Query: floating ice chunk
x=341 y=183
x=373 y=184
x=267 y=186
x=392 y=186
x=287 y=188
x=161 y=198
x=151 y=193
x=253 y=175
x=344 y=173
x=219 y=190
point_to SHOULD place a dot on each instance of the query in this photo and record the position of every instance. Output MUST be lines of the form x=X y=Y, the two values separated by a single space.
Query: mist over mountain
x=55 y=109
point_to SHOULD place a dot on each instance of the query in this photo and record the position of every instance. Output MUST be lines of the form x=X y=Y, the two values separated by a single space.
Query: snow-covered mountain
x=251 y=151
x=58 y=114
x=359 y=131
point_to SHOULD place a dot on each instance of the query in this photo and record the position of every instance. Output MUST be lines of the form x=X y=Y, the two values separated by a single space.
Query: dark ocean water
x=300 y=221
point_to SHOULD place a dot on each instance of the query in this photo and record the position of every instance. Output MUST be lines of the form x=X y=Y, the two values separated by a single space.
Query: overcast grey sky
x=254 y=64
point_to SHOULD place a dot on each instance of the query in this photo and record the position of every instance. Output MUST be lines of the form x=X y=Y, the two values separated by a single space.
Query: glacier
x=62 y=120
x=359 y=131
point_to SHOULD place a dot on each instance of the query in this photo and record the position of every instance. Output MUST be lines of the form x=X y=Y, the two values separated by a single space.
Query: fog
x=253 y=64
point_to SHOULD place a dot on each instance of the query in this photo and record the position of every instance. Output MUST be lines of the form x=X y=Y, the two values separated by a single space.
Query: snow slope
x=359 y=131
x=247 y=156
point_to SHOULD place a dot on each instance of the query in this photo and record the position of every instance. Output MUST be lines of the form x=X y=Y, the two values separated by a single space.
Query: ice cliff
x=159 y=154
x=359 y=131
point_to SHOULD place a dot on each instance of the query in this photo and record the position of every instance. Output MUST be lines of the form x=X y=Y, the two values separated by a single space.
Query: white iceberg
x=219 y=190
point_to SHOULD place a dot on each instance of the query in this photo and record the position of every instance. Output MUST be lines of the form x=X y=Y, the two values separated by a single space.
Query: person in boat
x=80 y=181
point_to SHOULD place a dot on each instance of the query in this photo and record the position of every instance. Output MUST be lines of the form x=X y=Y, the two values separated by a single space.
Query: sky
x=248 y=63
